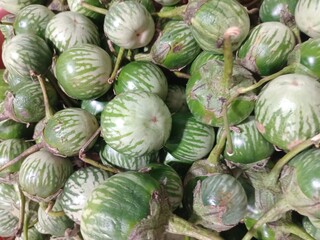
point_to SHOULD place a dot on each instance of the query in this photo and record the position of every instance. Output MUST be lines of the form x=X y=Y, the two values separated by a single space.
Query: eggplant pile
x=160 y=119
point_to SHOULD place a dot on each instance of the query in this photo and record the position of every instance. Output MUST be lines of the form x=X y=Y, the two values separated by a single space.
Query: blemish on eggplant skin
x=177 y=48
x=260 y=127
x=294 y=144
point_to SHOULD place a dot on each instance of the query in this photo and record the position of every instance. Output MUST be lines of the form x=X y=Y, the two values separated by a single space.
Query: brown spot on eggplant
x=293 y=144
x=191 y=10
x=260 y=127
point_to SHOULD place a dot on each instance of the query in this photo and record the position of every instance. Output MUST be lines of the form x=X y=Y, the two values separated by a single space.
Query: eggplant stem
x=243 y=90
x=296 y=33
x=26 y=221
x=117 y=65
x=90 y=140
x=173 y=13
x=66 y=100
x=295 y=230
x=96 y=9
x=180 y=226
x=47 y=207
x=280 y=207
x=111 y=169
x=225 y=82
x=143 y=57
x=85 y=159
x=214 y=155
x=24 y=154
x=181 y=74
x=273 y=176
x=47 y=106
x=22 y=204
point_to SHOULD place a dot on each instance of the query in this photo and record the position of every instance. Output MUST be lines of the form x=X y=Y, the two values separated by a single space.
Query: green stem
x=143 y=57
x=181 y=74
x=296 y=33
x=94 y=8
x=26 y=222
x=68 y=102
x=273 y=176
x=228 y=61
x=229 y=146
x=48 y=109
x=24 y=154
x=22 y=204
x=225 y=82
x=214 y=155
x=177 y=225
x=285 y=70
x=272 y=215
x=117 y=65
x=99 y=165
x=175 y=12
x=294 y=229
x=47 y=207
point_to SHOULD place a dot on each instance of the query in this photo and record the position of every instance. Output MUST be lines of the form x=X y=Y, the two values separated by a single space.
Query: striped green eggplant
x=169 y=179
x=10 y=129
x=176 y=98
x=9 y=200
x=8 y=223
x=83 y=71
x=249 y=146
x=266 y=49
x=42 y=174
x=13 y=6
x=308 y=54
x=55 y=226
x=175 y=47
x=75 y=6
x=136 y=123
x=142 y=76
x=78 y=188
x=128 y=205
x=300 y=191
x=25 y=53
x=109 y=156
x=9 y=149
x=202 y=59
x=189 y=139
x=16 y=82
x=278 y=11
x=32 y=19
x=68 y=130
x=27 y=103
x=203 y=94
x=298 y=183
x=67 y=29
x=287 y=110
x=129 y=25
x=209 y=20
x=306 y=16
x=219 y=202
